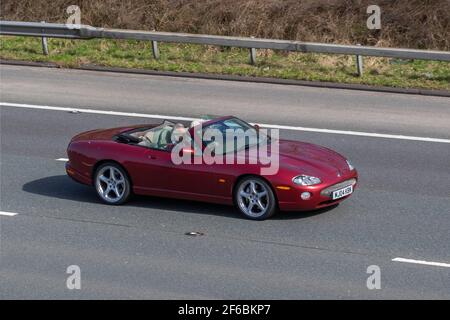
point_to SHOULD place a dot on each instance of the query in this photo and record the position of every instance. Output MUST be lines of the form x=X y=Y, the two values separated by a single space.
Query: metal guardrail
x=53 y=30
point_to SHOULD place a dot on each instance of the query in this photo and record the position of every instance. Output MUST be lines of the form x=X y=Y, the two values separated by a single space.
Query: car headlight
x=350 y=166
x=305 y=180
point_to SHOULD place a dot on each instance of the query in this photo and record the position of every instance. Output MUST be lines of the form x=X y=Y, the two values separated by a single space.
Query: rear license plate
x=342 y=192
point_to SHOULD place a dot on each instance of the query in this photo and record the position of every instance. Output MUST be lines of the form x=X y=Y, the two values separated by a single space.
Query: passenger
x=179 y=131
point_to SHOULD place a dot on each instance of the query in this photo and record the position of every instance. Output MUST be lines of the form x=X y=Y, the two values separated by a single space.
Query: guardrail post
x=252 y=55
x=44 y=44
x=359 y=64
x=155 y=49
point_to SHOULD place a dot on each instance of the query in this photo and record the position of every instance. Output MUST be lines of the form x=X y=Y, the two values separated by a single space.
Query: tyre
x=254 y=198
x=112 y=184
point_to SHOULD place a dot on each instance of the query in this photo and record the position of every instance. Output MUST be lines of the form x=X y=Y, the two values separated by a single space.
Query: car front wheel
x=112 y=184
x=255 y=199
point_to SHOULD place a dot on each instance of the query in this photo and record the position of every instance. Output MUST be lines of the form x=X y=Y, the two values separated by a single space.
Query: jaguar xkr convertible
x=139 y=159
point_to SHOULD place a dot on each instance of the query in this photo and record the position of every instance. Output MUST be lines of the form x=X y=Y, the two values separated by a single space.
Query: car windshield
x=234 y=135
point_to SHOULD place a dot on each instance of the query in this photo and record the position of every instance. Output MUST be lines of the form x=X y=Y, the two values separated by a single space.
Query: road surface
x=140 y=250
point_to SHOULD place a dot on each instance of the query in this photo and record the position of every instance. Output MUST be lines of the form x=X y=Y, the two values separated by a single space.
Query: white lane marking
x=112 y=113
x=429 y=263
x=358 y=133
x=9 y=214
x=282 y=127
x=62 y=159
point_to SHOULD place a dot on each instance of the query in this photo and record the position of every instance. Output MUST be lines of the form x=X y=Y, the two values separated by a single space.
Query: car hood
x=311 y=159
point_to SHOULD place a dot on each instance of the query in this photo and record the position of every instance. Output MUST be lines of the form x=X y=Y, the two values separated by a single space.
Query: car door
x=201 y=177
x=148 y=169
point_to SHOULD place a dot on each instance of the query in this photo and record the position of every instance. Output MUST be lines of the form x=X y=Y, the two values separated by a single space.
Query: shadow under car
x=62 y=187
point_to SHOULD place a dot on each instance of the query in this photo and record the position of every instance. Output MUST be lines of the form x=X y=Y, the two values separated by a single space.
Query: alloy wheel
x=110 y=184
x=253 y=198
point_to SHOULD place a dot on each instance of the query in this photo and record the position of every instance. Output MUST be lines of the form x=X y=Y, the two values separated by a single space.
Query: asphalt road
x=140 y=250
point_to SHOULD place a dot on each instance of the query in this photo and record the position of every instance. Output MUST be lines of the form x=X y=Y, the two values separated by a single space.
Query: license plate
x=342 y=192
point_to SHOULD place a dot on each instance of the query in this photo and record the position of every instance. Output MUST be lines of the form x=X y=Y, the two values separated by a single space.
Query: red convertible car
x=139 y=159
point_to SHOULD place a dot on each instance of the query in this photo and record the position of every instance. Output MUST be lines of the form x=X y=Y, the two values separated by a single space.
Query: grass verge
x=209 y=59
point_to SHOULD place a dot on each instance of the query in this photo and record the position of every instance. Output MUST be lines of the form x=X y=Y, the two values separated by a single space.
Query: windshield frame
x=246 y=125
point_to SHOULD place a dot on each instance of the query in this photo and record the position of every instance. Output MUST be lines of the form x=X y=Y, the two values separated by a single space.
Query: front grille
x=327 y=191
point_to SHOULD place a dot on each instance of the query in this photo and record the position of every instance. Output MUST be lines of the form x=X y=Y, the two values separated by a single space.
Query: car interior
x=159 y=137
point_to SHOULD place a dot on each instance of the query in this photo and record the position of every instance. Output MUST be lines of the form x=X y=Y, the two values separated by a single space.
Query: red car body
x=153 y=173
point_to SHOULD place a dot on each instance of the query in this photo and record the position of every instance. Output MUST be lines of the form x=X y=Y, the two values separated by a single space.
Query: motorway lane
x=266 y=103
x=140 y=250
x=322 y=255
x=126 y=262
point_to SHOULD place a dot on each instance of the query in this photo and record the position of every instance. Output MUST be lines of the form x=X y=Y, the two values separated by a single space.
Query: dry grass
x=421 y=24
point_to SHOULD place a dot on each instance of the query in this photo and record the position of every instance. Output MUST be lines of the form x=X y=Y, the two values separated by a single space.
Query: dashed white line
x=9 y=214
x=429 y=263
x=282 y=127
x=62 y=159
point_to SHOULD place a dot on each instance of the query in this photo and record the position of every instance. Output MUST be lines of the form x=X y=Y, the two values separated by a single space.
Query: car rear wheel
x=112 y=184
x=255 y=199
